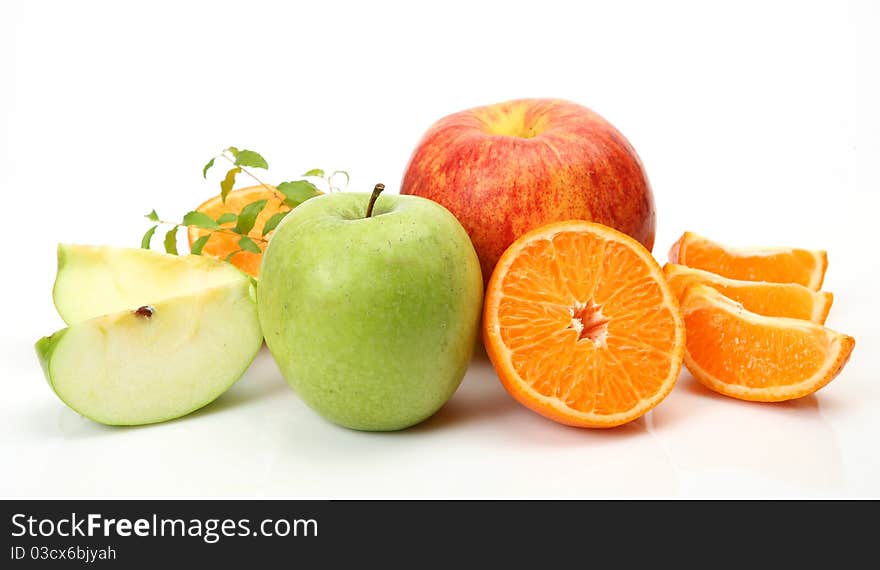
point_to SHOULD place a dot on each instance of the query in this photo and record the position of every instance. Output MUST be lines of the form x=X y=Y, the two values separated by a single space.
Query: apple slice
x=99 y=280
x=174 y=348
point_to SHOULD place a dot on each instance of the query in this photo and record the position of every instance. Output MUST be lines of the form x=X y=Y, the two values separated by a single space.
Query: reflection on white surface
x=261 y=440
x=481 y=444
x=787 y=445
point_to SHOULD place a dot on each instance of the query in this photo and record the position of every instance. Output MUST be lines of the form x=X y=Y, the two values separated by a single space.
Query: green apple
x=371 y=312
x=172 y=333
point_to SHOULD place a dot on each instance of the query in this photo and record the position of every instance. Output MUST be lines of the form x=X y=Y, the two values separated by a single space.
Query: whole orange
x=222 y=244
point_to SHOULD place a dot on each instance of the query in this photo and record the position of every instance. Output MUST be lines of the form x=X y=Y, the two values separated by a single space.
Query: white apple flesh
x=176 y=346
x=99 y=280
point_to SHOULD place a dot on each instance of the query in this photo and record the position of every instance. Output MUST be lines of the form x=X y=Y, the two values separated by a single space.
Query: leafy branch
x=288 y=194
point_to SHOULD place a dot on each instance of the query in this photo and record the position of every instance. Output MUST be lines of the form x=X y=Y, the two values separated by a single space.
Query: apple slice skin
x=45 y=346
x=99 y=280
x=165 y=372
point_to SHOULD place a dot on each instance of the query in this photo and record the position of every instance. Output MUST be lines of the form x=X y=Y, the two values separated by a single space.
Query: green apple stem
x=376 y=191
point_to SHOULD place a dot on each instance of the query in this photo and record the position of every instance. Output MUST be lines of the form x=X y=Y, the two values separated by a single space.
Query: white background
x=757 y=123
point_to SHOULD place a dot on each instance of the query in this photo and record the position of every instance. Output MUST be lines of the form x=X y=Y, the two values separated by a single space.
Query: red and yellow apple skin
x=505 y=169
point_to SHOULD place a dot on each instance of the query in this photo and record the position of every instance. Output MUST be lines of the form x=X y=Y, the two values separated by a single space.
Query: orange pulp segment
x=753 y=357
x=762 y=297
x=775 y=264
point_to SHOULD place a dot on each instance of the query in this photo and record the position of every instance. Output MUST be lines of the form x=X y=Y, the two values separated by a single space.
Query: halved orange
x=762 y=297
x=775 y=264
x=581 y=326
x=748 y=356
x=221 y=244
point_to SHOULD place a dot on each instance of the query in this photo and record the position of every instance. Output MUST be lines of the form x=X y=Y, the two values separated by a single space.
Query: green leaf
x=315 y=172
x=250 y=158
x=228 y=183
x=247 y=244
x=200 y=220
x=171 y=241
x=298 y=191
x=207 y=168
x=148 y=237
x=152 y=216
x=232 y=150
x=229 y=257
x=226 y=218
x=248 y=216
x=197 y=245
x=272 y=222
x=343 y=173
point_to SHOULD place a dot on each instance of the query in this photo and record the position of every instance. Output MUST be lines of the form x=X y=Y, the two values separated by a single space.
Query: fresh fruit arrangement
x=372 y=304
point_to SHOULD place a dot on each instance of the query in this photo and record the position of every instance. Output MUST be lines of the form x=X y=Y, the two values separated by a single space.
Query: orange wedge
x=581 y=326
x=748 y=356
x=775 y=264
x=762 y=297
x=220 y=245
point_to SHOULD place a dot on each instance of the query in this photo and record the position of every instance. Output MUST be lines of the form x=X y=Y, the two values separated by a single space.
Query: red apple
x=505 y=169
